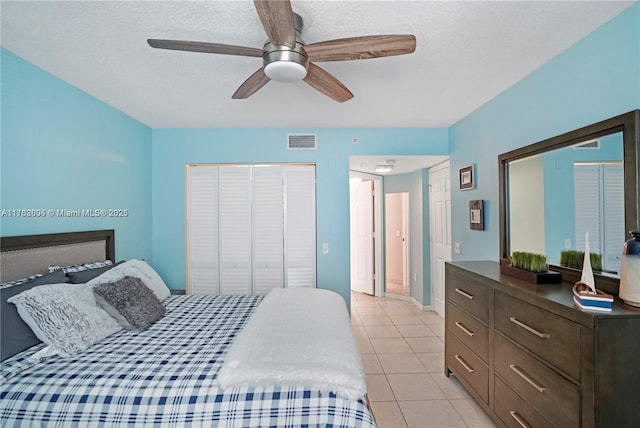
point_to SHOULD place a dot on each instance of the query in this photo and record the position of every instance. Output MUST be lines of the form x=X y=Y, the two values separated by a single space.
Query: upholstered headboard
x=22 y=256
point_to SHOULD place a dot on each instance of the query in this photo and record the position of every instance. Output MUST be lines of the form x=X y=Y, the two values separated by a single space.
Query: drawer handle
x=464 y=364
x=518 y=419
x=465 y=329
x=527 y=379
x=465 y=294
x=529 y=329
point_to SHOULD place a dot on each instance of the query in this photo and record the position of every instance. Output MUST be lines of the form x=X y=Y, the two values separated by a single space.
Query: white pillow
x=138 y=269
x=64 y=316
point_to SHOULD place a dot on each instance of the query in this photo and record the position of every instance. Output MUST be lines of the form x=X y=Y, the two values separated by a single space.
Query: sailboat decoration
x=585 y=294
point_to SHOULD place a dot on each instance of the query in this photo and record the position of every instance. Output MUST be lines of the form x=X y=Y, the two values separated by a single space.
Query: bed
x=227 y=361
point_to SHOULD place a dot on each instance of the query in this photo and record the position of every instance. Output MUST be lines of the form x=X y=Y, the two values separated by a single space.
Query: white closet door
x=614 y=233
x=588 y=196
x=235 y=230
x=202 y=229
x=268 y=252
x=300 y=226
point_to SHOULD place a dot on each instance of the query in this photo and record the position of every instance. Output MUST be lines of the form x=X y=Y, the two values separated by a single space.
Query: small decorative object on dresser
x=467 y=178
x=584 y=291
x=530 y=267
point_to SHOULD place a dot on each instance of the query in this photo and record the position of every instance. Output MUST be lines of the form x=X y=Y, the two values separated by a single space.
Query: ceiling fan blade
x=327 y=84
x=250 y=86
x=361 y=47
x=215 y=48
x=277 y=19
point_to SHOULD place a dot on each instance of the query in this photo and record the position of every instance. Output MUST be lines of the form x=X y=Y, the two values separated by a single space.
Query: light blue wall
x=174 y=148
x=595 y=79
x=63 y=149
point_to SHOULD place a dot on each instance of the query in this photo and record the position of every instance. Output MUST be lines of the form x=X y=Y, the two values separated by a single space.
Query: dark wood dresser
x=531 y=358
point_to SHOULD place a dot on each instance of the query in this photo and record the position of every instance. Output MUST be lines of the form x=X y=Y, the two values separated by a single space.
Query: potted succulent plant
x=530 y=267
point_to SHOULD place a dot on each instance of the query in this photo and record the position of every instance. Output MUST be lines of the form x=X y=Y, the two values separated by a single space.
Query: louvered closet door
x=588 y=194
x=268 y=240
x=300 y=226
x=599 y=193
x=614 y=232
x=202 y=229
x=235 y=230
x=250 y=228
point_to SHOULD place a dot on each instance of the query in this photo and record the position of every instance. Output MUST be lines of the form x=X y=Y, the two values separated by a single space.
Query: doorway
x=365 y=222
x=396 y=214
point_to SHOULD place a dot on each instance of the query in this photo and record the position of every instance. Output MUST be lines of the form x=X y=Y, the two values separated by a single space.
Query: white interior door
x=440 y=205
x=300 y=225
x=202 y=229
x=250 y=228
x=614 y=232
x=396 y=220
x=235 y=230
x=361 y=217
x=268 y=235
x=406 y=281
x=599 y=210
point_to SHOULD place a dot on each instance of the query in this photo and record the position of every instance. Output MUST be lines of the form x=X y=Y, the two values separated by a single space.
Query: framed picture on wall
x=467 y=179
x=476 y=215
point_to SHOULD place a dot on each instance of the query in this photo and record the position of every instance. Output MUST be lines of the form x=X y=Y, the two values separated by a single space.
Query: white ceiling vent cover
x=302 y=141
x=591 y=144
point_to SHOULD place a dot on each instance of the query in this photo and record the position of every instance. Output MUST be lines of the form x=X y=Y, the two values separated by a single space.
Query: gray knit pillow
x=130 y=302
x=64 y=316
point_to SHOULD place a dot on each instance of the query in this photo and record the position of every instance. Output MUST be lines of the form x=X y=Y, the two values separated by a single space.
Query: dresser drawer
x=553 y=338
x=551 y=394
x=514 y=411
x=468 y=366
x=469 y=330
x=470 y=295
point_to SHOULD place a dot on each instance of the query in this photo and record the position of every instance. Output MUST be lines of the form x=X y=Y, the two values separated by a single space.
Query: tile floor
x=402 y=351
x=399 y=289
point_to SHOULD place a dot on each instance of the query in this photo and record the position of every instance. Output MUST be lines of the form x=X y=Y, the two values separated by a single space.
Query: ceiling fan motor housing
x=285 y=64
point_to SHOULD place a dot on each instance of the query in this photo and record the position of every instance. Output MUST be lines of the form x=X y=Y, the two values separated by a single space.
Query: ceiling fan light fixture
x=384 y=168
x=284 y=64
x=285 y=71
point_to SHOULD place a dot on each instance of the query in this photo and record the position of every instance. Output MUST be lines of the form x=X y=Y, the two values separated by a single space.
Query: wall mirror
x=555 y=191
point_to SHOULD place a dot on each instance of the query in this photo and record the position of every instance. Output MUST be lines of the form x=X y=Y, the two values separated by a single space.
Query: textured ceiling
x=467 y=53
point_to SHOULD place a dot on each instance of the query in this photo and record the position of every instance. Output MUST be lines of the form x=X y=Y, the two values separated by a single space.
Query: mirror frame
x=629 y=124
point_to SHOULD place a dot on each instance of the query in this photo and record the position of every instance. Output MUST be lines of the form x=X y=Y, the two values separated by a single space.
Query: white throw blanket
x=297 y=337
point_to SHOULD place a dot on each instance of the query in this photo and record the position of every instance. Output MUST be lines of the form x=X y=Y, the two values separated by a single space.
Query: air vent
x=591 y=144
x=301 y=141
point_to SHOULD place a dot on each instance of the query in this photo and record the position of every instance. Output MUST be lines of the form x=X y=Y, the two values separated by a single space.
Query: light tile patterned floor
x=402 y=351
x=393 y=288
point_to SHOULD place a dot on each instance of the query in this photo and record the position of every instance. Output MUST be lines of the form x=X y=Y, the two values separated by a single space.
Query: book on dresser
x=532 y=358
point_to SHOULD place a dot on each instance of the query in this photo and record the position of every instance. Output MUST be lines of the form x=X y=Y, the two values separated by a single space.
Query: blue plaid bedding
x=164 y=376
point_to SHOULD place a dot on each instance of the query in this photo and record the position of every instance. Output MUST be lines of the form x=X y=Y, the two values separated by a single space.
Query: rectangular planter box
x=548 y=277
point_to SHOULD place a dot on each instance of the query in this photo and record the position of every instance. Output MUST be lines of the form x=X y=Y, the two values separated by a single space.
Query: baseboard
x=408 y=299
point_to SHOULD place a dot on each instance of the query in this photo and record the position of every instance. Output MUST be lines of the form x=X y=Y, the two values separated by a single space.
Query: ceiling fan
x=287 y=58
